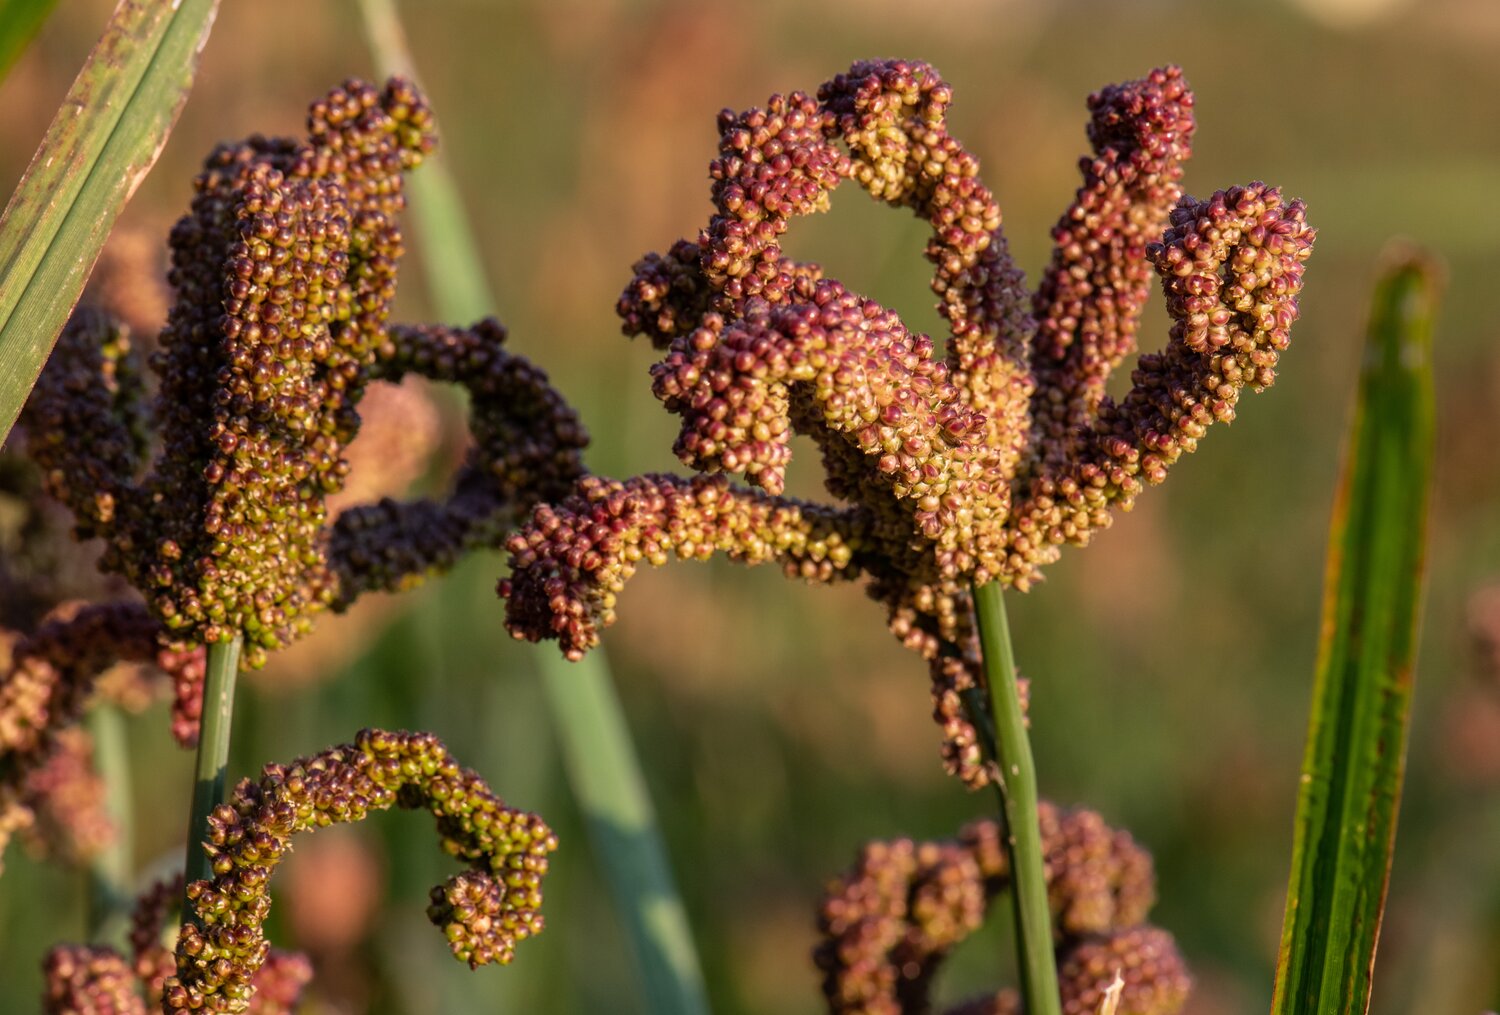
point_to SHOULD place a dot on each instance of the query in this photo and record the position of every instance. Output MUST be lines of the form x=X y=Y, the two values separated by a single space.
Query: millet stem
x=213 y=752
x=1018 y=806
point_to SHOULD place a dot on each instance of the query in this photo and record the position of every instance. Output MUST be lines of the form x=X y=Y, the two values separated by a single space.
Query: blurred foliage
x=19 y=21
x=780 y=725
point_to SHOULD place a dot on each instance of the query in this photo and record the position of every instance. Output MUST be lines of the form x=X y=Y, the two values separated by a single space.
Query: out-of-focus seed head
x=401 y=430
x=1156 y=980
x=45 y=679
x=72 y=821
x=527 y=448
x=129 y=281
x=889 y=923
x=100 y=981
x=42 y=563
x=151 y=959
x=963 y=466
x=333 y=893
x=94 y=980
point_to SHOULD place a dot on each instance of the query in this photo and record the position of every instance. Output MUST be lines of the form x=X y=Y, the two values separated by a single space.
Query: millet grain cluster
x=283 y=274
x=972 y=465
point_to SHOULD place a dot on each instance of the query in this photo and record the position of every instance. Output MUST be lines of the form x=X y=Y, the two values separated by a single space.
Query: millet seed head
x=955 y=467
x=283 y=273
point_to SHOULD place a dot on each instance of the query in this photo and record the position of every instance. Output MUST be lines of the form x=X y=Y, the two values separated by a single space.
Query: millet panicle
x=949 y=468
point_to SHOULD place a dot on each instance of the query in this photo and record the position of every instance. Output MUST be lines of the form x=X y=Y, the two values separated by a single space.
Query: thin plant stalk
x=213 y=751
x=606 y=777
x=600 y=759
x=111 y=870
x=1018 y=804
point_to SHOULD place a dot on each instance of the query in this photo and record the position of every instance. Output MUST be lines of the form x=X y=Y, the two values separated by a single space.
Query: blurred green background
x=780 y=725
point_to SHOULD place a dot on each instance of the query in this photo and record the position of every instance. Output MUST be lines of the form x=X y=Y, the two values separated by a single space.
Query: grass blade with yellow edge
x=1356 y=749
x=104 y=138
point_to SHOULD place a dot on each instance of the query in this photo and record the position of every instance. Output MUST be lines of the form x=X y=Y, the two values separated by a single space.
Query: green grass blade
x=597 y=751
x=449 y=252
x=112 y=871
x=116 y=864
x=105 y=137
x=607 y=780
x=19 y=21
x=1356 y=749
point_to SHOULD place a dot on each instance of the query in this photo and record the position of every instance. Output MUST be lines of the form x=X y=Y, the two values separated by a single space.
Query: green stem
x=111 y=870
x=603 y=771
x=213 y=751
x=1018 y=805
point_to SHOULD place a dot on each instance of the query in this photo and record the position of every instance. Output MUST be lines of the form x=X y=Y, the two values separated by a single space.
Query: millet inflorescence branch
x=223 y=962
x=483 y=912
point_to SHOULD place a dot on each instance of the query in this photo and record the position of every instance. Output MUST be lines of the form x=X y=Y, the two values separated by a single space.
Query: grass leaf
x=600 y=758
x=104 y=138
x=19 y=21
x=1356 y=750
x=611 y=791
